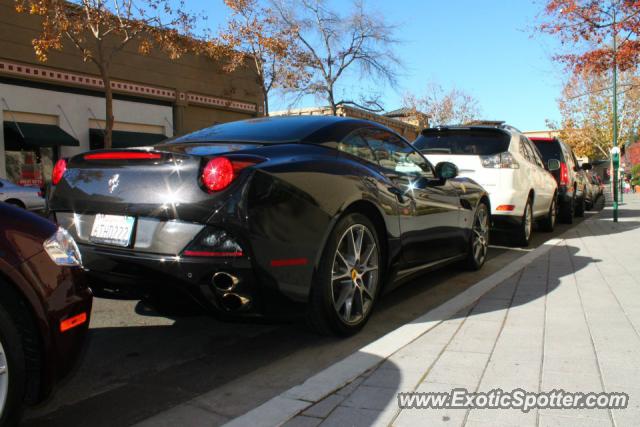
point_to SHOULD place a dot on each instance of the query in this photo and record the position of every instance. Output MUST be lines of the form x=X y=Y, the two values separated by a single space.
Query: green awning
x=124 y=139
x=20 y=135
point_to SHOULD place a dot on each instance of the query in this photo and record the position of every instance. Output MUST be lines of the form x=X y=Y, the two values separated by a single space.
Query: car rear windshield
x=550 y=149
x=478 y=142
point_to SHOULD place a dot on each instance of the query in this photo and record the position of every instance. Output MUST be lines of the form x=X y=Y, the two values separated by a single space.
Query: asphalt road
x=138 y=362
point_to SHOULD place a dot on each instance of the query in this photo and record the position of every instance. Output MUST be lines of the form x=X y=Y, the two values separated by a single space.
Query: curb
x=288 y=404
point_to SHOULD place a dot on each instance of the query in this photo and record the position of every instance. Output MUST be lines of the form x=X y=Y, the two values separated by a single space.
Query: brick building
x=57 y=108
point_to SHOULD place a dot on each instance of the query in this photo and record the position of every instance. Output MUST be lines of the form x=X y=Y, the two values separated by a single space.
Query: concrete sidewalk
x=570 y=319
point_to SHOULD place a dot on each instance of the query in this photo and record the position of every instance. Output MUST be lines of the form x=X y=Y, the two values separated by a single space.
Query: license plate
x=113 y=230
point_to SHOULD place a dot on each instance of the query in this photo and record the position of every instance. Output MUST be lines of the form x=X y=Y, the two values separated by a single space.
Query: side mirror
x=553 y=165
x=587 y=166
x=446 y=170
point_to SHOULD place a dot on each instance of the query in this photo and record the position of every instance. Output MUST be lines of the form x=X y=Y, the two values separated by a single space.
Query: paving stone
x=325 y=406
x=571 y=382
x=358 y=417
x=625 y=417
x=571 y=365
x=184 y=415
x=510 y=374
x=621 y=376
x=455 y=367
x=501 y=417
x=349 y=388
x=503 y=291
x=302 y=421
x=475 y=336
x=417 y=357
x=377 y=398
x=564 y=421
x=442 y=333
x=386 y=378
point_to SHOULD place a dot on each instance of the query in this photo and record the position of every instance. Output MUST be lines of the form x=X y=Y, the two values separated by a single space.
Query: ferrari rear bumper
x=225 y=284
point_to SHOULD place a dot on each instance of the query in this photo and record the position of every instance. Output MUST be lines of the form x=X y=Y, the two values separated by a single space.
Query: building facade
x=57 y=109
x=407 y=129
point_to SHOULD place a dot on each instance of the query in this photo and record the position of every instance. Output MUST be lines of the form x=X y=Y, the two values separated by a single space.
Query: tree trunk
x=266 y=102
x=108 y=97
x=332 y=103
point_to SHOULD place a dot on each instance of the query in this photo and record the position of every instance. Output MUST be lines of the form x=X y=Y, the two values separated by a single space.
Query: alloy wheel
x=355 y=274
x=4 y=379
x=480 y=236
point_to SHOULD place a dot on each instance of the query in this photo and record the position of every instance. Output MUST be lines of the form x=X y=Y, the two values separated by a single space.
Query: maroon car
x=44 y=308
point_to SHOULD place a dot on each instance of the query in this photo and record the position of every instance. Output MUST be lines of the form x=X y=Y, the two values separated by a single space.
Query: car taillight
x=214 y=242
x=58 y=171
x=499 y=161
x=564 y=174
x=219 y=172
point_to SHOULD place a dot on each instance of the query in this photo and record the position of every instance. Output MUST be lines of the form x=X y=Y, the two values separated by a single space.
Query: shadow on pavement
x=526 y=291
x=132 y=372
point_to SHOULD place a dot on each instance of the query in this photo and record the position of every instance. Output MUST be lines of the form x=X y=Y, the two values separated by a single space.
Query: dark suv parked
x=572 y=181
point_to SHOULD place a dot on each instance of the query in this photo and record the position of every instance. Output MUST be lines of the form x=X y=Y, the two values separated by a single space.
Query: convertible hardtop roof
x=279 y=129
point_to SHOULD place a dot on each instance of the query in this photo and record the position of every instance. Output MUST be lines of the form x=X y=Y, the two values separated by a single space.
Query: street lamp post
x=615 y=160
x=615 y=151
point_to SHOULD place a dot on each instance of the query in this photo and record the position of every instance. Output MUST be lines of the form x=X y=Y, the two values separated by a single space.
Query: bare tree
x=101 y=29
x=334 y=44
x=256 y=35
x=453 y=107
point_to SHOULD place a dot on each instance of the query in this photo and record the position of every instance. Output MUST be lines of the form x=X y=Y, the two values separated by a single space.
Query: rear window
x=549 y=149
x=478 y=142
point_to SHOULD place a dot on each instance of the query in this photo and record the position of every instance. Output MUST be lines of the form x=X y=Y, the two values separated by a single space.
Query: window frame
x=357 y=133
x=430 y=174
x=537 y=156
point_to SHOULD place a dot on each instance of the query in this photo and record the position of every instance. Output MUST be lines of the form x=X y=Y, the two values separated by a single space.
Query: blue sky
x=486 y=48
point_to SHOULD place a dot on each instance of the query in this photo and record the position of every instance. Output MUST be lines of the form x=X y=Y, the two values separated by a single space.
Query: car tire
x=567 y=211
x=525 y=230
x=15 y=371
x=479 y=240
x=548 y=224
x=598 y=205
x=580 y=208
x=346 y=286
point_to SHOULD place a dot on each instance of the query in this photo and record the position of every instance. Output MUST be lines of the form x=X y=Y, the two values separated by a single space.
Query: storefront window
x=30 y=167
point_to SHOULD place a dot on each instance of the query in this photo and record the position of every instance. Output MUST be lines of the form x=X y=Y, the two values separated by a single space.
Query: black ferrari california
x=258 y=216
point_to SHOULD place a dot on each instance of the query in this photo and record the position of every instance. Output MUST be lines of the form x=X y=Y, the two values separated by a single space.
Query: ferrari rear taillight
x=564 y=174
x=58 y=171
x=219 y=172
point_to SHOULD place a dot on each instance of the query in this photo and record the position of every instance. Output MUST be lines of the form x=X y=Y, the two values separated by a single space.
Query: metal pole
x=615 y=117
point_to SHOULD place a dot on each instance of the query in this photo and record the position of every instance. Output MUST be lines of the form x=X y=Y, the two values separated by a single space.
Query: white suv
x=507 y=165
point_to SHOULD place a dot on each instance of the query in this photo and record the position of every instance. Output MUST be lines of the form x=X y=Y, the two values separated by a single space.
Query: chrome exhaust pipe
x=234 y=302
x=224 y=282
